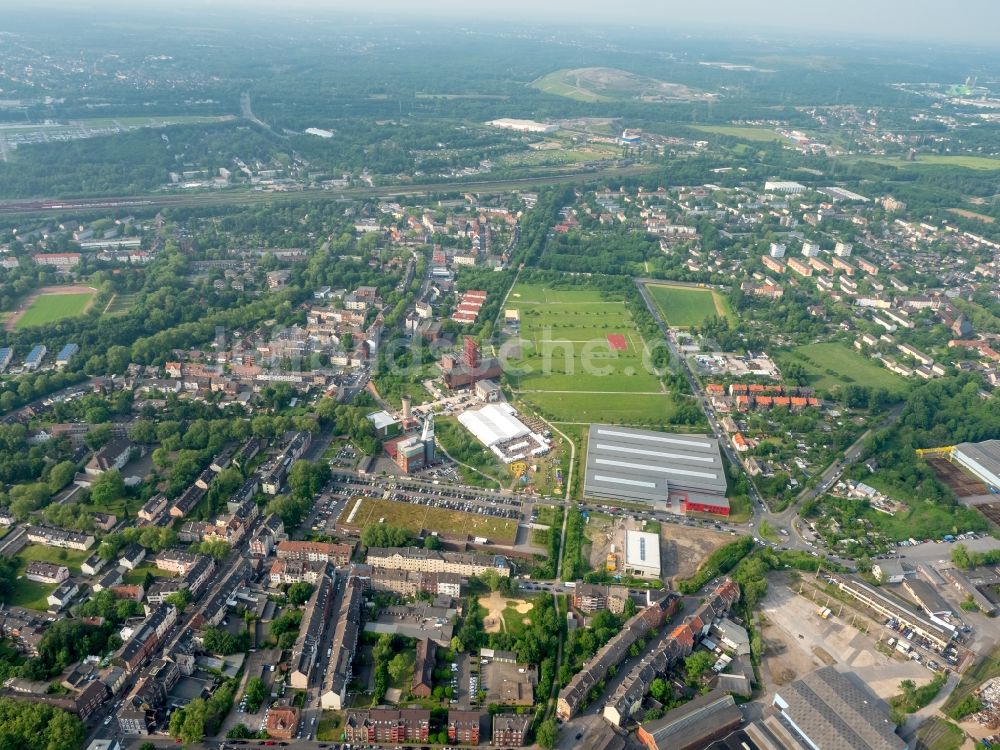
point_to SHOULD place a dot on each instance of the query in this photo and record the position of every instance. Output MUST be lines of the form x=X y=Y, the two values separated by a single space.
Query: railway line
x=252 y=197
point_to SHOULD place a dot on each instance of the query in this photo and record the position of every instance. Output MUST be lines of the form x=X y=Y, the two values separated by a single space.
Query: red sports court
x=617 y=342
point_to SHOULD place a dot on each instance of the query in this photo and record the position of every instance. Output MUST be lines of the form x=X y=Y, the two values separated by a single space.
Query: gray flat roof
x=647 y=466
x=835 y=712
x=986 y=454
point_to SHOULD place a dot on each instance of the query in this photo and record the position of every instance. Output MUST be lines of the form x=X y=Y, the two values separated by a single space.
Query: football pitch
x=48 y=308
x=687 y=306
x=580 y=357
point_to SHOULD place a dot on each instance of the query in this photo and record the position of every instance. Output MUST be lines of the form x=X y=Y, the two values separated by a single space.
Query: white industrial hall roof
x=494 y=423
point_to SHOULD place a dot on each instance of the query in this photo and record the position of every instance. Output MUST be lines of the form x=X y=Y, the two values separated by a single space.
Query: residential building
x=510 y=730
x=436 y=561
x=305 y=652
x=423 y=670
x=282 y=722
x=345 y=639
x=593 y=597
x=384 y=725
x=463 y=727
x=45 y=572
x=337 y=554
x=51 y=536
x=295 y=571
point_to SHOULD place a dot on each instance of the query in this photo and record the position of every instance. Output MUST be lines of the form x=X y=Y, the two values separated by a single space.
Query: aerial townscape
x=408 y=377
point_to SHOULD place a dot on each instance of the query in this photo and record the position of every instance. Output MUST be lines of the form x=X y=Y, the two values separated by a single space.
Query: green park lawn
x=832 y=365
x=71 y=558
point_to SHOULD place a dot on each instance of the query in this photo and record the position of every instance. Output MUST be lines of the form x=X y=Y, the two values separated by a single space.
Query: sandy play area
x=500 y=607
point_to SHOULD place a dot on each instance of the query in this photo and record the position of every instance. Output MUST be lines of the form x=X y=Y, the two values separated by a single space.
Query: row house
x=436 y=561
x=295 y=571
x=338 y=554
x=673 y=646
x=51 y=536
x=463 y=727
x=384 y=725
x=510 y=730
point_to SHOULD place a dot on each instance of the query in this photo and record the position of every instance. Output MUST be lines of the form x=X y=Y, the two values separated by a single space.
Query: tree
x=109 y=487
x=401 y=666
x=492 y=578
x=299 y=593
x=61 y=475
x=255 y=693
x=306 y=479
x=188 y=723
x=179 y=599
x=547 y=734
x=384 y=535
x=696 y=665
x=37 y=726
x=432 y=541
x=659 y=688
x=218 y=549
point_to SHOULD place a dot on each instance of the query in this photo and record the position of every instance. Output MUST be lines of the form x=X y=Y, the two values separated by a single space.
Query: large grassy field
x=560 y=83
x=48 y=308
x=568 y=370
x=71 y=558
x=832 y=365
x=416 y=517
x=686 y=306
x=959 y=160
x=736 y=131
x=32 y=594
x=120 y=304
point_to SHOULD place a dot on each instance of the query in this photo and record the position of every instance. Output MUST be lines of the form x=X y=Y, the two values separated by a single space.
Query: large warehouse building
x=671 y=472
x=982 y=459
x=828 y=710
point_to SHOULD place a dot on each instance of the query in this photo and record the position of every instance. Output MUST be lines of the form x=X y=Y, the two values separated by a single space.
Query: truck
x=903 y=647
x=825 y=613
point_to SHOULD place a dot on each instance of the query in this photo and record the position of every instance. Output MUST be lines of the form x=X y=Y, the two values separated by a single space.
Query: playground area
x=500 y=609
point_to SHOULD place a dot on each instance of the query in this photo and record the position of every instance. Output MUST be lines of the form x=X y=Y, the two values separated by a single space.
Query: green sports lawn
x=687 y=306
x=746 y=133
x=48 y=308
x=567 y=370
x=833 y=365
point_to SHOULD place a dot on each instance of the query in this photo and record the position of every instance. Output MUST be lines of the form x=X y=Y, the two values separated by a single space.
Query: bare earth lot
x=682 y=548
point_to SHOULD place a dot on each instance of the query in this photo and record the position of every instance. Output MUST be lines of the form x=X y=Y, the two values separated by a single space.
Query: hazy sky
x=946 y=21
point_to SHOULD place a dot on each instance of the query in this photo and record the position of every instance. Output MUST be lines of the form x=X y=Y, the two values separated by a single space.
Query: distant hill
x=613 y=85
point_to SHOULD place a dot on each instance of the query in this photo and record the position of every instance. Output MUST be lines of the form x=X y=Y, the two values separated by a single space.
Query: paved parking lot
x=344 y=486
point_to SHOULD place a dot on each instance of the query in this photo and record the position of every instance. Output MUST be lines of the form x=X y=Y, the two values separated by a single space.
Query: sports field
x=746 y=133
x=52 y=304
x=832 y=365
x=581 y=358
x=687 y=306
x=415 y=517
